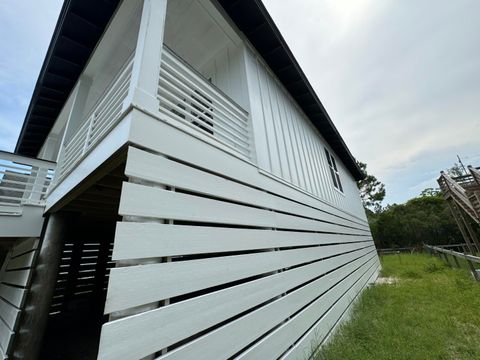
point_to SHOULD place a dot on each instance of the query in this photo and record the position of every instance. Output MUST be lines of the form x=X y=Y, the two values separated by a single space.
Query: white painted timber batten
x=15 y=276
x=186 y=96
x=288 y=145
x=254 y=266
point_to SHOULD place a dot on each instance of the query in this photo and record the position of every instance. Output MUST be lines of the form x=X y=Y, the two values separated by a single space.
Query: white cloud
x=400 y=80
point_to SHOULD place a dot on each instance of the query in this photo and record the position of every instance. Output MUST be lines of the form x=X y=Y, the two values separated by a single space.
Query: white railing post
x=80 y=96
x=74 y=121
x=38 y=185
x=147 y=60
x=74 y=117
x=90 y=120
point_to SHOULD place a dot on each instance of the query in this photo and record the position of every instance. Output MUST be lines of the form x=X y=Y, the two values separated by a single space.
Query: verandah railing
x=188 y=97
x=23 y=180
x=183 y=95
x=99 y=121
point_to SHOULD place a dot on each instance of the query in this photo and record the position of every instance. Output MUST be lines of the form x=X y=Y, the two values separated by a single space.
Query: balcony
x=100 y=120
x=183 y=96
x=24 y=184
x=186 y=96
x=23 y=181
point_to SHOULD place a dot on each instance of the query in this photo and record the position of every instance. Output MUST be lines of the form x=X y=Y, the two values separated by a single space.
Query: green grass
x=432 y=312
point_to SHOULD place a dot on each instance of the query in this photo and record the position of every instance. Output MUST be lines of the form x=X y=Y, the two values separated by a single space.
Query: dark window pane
x=339 y=183
x=334 y=164
x=328 y=157
x=333 y=178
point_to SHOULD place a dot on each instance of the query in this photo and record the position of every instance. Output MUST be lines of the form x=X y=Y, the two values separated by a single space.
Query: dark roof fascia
x=36 y=90
x=79 y=27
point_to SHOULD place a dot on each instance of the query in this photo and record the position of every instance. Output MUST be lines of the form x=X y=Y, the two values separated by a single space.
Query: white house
x=177 y=191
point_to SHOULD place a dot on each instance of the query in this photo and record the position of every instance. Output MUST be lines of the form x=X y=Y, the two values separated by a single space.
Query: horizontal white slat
x=186 y=75
x=22 y=183
x=22 y=261
x=22 y=193
x=144 y=165
x=25 y=161
x=201 y=104
x=16 y=198
x=12 y=294
x=187 y=92
x=243 y=151
x=16 y=277
x=277 y=342
x=224 y=342
x=27 y=169
x=136 y=285
x=9 y=314
x=25 y=246
x=6 y=336
x=25 y=176
x=318 y=332
x=114 y=97
x=139 y=200
x=189 y=317
x=194 y=102
x=77 y=141
x=233 y=138
x=146 y=240
x=183 y=146
x=10 y=209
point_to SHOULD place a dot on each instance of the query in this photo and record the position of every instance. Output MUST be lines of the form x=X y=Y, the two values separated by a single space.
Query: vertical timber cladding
x=251 y=274
x=289 y=145
x=15 y=275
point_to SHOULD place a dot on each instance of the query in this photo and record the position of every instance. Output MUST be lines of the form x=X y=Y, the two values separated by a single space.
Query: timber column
x=33 y=321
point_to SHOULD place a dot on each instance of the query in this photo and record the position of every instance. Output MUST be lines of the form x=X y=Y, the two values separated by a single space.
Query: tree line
x=425 y=219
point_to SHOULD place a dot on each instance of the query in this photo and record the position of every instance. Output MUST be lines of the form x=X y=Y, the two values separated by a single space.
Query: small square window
x=334 y=171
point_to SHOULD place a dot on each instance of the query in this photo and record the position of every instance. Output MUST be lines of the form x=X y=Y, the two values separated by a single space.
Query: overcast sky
x=400 y=79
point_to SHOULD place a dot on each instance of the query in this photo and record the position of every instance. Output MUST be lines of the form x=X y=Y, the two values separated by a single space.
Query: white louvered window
x=334 y=171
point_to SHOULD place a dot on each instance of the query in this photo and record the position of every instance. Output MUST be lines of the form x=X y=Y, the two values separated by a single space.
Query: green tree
x=372 y=191
x=424 y=219
x=430 y=192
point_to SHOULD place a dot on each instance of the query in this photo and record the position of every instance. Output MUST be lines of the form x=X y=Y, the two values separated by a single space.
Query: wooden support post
x=461 y=225
x=456 y=261
x=447 y=259
x=471 y=232
x=33 y=322
x=473 y=270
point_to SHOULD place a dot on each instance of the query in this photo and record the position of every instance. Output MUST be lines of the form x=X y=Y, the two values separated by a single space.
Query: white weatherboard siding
x=253 y=264
x=288 y=145
x=15 y=275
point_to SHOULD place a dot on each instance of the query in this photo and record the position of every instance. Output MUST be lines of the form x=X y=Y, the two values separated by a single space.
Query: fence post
x=446 y=259
x=456 y=261
x=473 y=270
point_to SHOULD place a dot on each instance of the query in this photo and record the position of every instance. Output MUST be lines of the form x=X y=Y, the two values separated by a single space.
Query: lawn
x=432 y=312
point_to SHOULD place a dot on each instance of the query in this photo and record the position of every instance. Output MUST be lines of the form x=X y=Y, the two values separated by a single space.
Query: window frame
x=335 y=174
